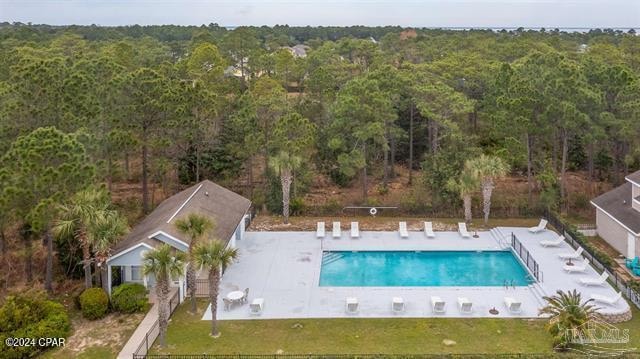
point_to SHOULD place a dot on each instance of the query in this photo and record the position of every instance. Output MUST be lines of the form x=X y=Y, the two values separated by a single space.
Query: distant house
x=298 y=50
x=228 y=210
x=618 y=216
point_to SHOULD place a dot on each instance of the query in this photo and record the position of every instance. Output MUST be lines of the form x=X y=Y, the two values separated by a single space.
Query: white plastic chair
x=428 y=230
x=465 y=305
x=336 y=230
x=513 y=305
x=320 y=233
x=402 y=228
x=437 y=305
x=355 y=230
x=256 y=306
x=462 y=229
x=397 y=305
x=540 y=227
x=351 y=305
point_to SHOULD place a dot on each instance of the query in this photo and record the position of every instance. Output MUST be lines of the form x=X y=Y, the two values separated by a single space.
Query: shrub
x=130 y=298
x=94 y=303
x=296 y=206
x=31 y=315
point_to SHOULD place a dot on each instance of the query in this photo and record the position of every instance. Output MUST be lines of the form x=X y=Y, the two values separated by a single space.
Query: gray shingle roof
x=617 y=203
x=634 y=177
x=224 y=207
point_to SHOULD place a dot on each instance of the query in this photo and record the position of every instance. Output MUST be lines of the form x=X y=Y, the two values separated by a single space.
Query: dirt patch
x=274 y=223
x=110 y=332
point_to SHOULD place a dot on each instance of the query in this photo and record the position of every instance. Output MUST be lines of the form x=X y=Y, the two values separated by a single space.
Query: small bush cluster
x=130 y=298
x=94 y=303
x=31 y=315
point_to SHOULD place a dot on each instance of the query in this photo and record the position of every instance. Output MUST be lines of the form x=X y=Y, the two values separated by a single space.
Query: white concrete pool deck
x=284 y=269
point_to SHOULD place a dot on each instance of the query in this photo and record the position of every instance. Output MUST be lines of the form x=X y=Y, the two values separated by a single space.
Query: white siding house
x=618 y=216
x=226 y=209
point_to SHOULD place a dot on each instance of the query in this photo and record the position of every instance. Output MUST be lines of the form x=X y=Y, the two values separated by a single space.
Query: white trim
x=636 y=201
x=635 y=183
x=129 y=250
x=170 y=237
x=185 y=203
x=614 y=218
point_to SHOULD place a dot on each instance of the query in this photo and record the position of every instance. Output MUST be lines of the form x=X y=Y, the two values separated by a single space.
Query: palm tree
x=77 y=219
x=466 y=184
x=164 y=263
x=109 y=226
x=285 y=163
x=195 y=227
x=567 y=313
x=487 y=169
x=215 y=256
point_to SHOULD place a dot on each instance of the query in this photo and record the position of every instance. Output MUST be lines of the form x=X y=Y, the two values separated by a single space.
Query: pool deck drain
x=284 y=269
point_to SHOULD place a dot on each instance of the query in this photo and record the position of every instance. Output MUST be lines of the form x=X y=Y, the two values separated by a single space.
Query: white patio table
x=235 y=296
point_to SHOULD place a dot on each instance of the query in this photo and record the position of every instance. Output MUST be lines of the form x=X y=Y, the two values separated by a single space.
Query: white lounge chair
x=513 y=305
x=336 y=230
x=575 y=255
x=403 y=230
x=540 y=227
x=552 y=243
x=320 y=233
x=256 y=306
x=462 y=229
x=577 y=268
x=437 y=305
x=397 y=305
x=355 y=230
x=464 y=305
x=606 y=299
x=602 y=279
x=428 y=230
x=351 y=306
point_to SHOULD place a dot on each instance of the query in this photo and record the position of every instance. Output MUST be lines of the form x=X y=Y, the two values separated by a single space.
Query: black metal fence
x=152 y=333
x=593 y=258
x=360 y=356
x=526 y=258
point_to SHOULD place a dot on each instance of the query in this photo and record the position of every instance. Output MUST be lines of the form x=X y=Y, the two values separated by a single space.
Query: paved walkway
x=140 y=334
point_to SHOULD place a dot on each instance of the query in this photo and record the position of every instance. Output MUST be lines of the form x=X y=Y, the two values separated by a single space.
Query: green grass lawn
x=188 y=334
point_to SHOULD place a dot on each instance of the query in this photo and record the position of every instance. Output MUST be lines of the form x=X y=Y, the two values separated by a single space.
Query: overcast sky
x=425 y=13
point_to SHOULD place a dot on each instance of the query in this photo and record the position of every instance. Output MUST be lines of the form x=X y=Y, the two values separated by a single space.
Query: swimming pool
x=421 y=269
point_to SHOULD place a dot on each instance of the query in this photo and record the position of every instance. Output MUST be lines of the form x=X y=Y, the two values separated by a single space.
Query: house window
x=136 y=273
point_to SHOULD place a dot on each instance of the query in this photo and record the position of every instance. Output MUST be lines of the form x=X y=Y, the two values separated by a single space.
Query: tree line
x=85 y=105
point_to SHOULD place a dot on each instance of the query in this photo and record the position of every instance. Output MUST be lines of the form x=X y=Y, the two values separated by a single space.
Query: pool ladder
x=509 y=283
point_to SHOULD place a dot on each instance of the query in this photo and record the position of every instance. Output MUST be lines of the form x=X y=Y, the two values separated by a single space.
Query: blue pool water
x=421 y=269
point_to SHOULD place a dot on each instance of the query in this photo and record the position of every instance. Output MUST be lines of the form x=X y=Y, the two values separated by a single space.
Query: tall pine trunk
x=145 y=184
x=286 y=179
x=28 y=257
x=529 y=170
x=48 y=276
x=364 y=176
x=214 y=281
x=411 y=144
x=563 y=169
